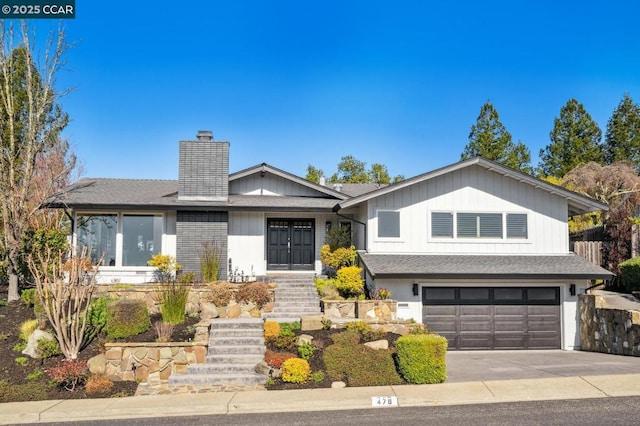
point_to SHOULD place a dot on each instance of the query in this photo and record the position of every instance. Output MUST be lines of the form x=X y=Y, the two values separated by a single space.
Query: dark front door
x=290 y=244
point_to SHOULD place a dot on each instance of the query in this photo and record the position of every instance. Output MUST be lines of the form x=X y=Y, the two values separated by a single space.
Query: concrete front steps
x=235 y=347
x=295 y=296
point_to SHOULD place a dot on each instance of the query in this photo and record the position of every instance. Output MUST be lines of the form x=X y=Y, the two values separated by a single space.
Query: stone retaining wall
x=147 y=362
x=607 y=329
x=370 y=310
x=197 y=296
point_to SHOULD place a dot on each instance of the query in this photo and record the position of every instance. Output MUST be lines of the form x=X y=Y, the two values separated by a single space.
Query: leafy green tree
x=31 y=121
x=350 y=170
x=491 y=140
x=379 y=174
x=575 y=140
x=313 y=174
x=622 y=139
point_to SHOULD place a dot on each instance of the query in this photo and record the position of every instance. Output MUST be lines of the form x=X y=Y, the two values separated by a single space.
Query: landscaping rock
x=311 y=322
x=32 y=343
x=208 y=311
x=304 y=338
x=97 y=364
x=338 y=385
x=234 y=311
x=378 y=344
x=262 y=368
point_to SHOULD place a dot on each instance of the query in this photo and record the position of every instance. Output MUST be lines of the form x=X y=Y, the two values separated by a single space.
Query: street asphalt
x=474 y=377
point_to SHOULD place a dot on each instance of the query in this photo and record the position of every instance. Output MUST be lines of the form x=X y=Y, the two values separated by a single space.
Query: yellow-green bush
x=327 y=288
x=422 y=358
x=28 y=327
x=295 y=370
x=271 y=329
x=349 y=282
x=338 y=258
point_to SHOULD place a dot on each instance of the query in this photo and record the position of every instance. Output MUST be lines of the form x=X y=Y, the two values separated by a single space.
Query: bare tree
x=30 y=124
x=65 y=288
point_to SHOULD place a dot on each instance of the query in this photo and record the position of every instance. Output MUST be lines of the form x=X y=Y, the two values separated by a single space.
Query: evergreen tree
x=575 y=140
x=622 y=139
x=491 y=140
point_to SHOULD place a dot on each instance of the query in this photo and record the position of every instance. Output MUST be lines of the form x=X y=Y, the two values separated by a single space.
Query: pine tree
x=575 y=139
x=622 y=139
x=491 y=140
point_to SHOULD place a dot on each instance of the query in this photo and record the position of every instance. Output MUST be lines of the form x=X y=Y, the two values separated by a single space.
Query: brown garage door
x=494 y=317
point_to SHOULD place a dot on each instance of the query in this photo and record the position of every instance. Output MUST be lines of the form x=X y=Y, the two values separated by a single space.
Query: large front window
x=141 y=239
x=97 y=234
x=120 y=239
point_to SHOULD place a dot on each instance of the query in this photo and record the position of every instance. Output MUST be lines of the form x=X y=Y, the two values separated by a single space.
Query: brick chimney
x=203 y=169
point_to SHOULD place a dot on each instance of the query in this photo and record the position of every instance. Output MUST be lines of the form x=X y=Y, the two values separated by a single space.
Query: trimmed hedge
x=630 y=271
x=349 y=282
x=127 y=318
x=422 y=358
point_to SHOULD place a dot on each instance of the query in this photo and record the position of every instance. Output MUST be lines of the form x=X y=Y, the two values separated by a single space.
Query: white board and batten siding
x=247 y=238
x=473 y=190
x=270 y=184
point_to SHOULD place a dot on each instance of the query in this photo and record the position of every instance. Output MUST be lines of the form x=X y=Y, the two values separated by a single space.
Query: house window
x=479 y=225
x=98 y=235
x=388 y=224
x=442 y=224
x=141 y=238
x=516 y=225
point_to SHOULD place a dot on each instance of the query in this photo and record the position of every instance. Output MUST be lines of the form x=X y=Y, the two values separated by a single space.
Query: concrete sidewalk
x=321 y=399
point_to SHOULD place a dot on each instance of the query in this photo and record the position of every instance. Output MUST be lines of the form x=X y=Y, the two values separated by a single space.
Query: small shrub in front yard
x=220 y=294
x=49 y=348
x=69 y=374
x=295 y=370
x=283 y=343
x=29 y=296
x=127 y=318
x=256 y=292
x=173 y=297
x=349 y=282
x=26 y=328
x=630 y=272
x=422 y=358
x=271 y=329
x=306 y=350
x=98 y=383
x=275 y=359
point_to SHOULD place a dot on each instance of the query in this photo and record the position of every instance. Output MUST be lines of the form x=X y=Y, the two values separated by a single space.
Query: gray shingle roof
x=89 y=193
x=356 y=189
x=568 y=266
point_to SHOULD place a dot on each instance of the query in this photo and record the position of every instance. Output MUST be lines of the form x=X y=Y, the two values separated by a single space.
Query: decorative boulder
x=378 y=344
x=32 y=343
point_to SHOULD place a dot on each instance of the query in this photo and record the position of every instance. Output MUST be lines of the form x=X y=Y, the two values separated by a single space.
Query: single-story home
x=477 y=251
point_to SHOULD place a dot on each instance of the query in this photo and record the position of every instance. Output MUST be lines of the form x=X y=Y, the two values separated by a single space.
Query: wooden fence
x=590 y=250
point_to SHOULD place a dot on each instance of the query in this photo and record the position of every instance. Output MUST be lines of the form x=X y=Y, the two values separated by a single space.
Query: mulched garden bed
x=13 y=314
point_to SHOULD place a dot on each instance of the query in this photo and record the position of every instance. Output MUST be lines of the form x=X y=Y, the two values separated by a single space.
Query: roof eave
x=476 y=276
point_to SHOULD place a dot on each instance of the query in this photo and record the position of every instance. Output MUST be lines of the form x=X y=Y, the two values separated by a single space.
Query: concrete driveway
x=471 y=366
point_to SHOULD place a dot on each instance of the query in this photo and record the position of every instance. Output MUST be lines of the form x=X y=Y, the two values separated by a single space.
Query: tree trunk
x=13 y=287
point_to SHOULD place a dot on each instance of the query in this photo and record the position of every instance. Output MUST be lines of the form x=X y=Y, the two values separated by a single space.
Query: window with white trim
x=97 y=234
x=479 y=225
x=388 y=224
x=141 y=238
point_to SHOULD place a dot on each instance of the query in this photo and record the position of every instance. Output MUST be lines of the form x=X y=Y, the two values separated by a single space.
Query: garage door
x=494 y=317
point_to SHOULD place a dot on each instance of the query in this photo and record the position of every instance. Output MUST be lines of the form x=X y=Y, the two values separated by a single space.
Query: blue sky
x=293 y=83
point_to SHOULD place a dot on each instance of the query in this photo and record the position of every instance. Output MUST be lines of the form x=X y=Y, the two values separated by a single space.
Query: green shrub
x=220 y=294
x=630 y=272
x=256 y=292
x=422 y=358
x=22 y=360
x=210 y=262
x=173 y=298
x=349 y=282
x=35 y=375
x=283 y=343
x=29 y=296
x=317 y=377
x=10 y=392
x=306 y=350
x=338 y=237
x=327 y=288
x=295 y=370
x=49 y=348
x=187 y=278
x=97 y=316
x=358 y=365
x=127 y=318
